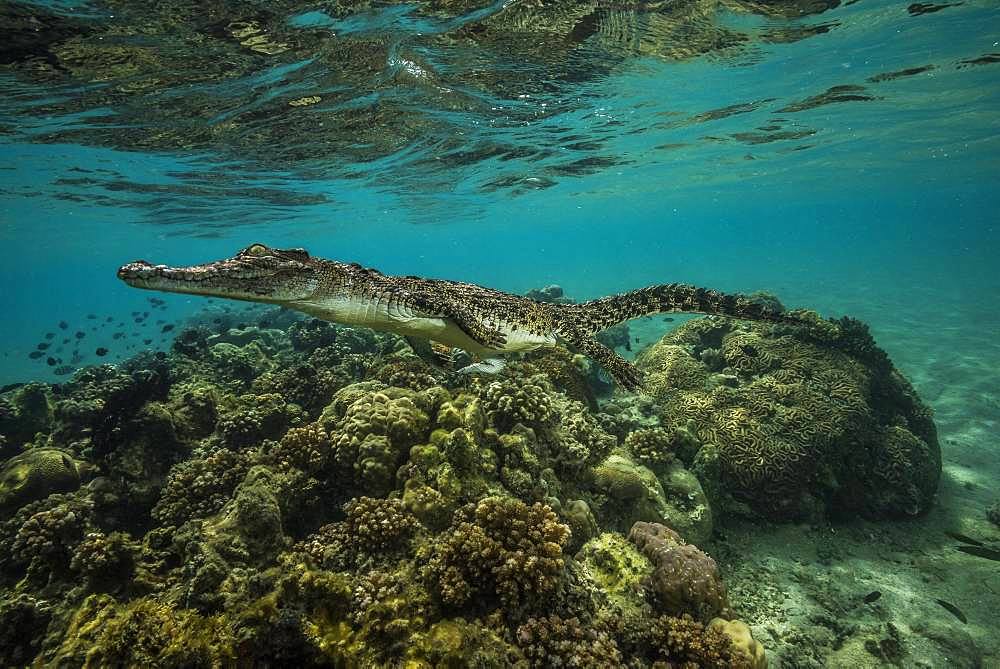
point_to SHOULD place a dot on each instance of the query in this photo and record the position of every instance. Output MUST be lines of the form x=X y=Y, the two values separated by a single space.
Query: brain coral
x=684 y=579
x=35 y=474
x=800 y=417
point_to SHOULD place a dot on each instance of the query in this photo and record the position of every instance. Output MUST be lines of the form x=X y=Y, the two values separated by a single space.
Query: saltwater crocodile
x=485 y=322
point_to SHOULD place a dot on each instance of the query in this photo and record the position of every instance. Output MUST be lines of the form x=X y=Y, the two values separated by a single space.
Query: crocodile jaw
x=230 y=279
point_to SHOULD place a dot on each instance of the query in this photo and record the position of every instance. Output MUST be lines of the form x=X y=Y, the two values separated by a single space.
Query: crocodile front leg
x=465 y=318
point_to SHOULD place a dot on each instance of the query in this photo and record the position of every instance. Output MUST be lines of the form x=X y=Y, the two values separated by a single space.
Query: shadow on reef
x=319 y=496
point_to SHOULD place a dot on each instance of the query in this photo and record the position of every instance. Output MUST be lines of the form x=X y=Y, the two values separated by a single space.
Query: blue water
x=846 y=159
x=871 y=206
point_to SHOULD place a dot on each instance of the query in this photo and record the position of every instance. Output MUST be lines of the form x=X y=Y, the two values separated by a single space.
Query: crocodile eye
x=256 y=250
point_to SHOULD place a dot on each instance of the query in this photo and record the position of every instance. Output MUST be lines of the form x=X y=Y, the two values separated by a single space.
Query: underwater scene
x=500 y=333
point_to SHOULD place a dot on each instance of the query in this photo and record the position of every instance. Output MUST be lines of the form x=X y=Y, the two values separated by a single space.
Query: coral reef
x=320 y=497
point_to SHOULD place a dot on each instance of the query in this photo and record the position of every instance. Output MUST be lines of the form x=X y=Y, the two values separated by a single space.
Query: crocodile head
x=257 y=273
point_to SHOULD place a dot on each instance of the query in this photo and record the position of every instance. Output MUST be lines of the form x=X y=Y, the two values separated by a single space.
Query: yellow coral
x=743 y=641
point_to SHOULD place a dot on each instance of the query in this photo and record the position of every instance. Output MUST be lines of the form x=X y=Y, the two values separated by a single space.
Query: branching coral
x=372 y=528
x=511 y=401
x=554 y=641
x=685 y=642
x=45 y=539
x=105 y=558
x=255 y=418
x=199 y=487
x=500 y=548
x=653 y=447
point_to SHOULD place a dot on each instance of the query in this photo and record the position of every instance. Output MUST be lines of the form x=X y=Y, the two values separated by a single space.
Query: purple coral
x=685 y=579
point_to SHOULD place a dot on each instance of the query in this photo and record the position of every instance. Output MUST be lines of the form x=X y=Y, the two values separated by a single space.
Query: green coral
x=143 y=632
x=526 y=401
x=373 y=437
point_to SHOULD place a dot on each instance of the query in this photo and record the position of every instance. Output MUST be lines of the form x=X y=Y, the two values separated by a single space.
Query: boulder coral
x=801 y=418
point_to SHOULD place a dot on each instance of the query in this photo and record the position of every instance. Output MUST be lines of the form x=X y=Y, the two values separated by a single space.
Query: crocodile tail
x=597 y=315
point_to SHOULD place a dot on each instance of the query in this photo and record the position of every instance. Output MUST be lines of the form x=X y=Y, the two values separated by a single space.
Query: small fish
x=872 y=596
x=64 y=370
x=50 y=335
x=167 y=328
x=963 y=538
x=109 y=319
x=42 y=346
x=160 y=355
x=50 y=361
x=216 y=320
x=91 y=317
x=63 y=325
x=35 y=355
x=981 y=551
x=668 y=319
x=101 y=351
x=80 y=334
x=66 y=341
x=147 y=342
x=952 y=609
x=138 y=320
x=118 y=335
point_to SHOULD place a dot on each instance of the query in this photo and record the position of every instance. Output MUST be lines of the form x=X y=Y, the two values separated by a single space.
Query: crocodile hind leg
x=621 y=370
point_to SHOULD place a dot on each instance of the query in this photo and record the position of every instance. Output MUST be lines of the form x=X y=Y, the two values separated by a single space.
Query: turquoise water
x=700 y=170
x=843 y=156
